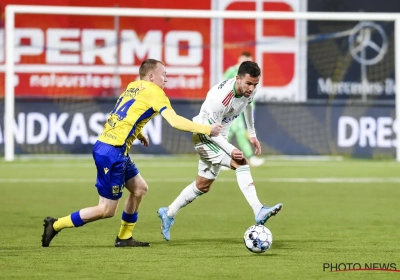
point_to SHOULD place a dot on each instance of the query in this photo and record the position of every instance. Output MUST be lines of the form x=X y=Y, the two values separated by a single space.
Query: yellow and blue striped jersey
x=140 y=102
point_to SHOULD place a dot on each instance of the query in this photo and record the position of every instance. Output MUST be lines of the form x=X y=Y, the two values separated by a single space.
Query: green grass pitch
x=334 y=212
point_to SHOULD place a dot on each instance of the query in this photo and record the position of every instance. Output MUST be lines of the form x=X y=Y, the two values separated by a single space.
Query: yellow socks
x=73 y=220
x=127 y=224
x=126 y=230
x=64 y=222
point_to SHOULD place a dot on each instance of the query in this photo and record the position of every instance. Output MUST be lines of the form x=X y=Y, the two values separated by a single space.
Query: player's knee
x=137 y=186
x=239 y=162
x=204 y=189
x=106 y=211
x=140 y=190
x=109 y=213
x=203 y=184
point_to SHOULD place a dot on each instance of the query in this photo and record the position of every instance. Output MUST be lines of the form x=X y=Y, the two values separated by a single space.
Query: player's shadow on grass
x=278 y=244
x=250 y=255
x=281 y=244
x=201 y=241
x=176 y=242
x=292 y=244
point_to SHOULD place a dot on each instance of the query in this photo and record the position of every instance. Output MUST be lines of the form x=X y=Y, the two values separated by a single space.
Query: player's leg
x=106 y=208
x=246 y=184
x=137 y=188
x=110 y=180
x=194 y=190
x=206 y=176
x=208 y=170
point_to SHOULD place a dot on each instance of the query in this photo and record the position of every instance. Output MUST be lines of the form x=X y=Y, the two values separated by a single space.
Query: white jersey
x=222 y=106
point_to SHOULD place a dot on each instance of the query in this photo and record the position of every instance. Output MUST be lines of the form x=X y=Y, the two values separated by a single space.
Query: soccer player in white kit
x=224 y=102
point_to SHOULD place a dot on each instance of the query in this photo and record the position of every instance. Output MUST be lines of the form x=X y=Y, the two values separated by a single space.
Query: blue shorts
x=113 y=169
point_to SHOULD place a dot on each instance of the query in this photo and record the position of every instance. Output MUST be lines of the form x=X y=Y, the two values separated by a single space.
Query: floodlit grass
x=334 y=212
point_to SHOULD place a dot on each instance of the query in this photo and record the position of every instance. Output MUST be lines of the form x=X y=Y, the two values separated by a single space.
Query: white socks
x=247 y=187
x=188 y=194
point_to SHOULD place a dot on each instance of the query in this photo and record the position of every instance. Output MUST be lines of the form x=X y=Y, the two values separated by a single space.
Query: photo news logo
x=343 y=267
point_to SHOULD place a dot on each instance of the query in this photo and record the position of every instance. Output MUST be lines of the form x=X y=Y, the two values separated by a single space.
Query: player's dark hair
x=147 y=66
x=246 y=54
x=249 y=67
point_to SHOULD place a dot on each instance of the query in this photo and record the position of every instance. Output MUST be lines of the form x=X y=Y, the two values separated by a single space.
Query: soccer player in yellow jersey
x=140 y=102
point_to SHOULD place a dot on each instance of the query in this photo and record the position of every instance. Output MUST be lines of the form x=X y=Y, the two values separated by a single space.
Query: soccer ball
x=258 y=239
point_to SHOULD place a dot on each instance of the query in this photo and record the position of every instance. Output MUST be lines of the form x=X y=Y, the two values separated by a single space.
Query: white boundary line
x=193 y=163
x=56 y=157
x=361 y=180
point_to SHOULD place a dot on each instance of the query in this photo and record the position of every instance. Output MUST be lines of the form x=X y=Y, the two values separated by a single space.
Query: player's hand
x=237 y=154
x=144 y=140
x=256 y=144
x=215 y=129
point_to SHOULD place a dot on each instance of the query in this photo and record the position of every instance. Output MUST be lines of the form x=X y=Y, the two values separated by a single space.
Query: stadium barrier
x=72 y=127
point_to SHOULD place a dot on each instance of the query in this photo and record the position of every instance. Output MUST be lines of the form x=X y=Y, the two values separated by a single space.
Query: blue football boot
x=166 y=222
x=267 y=212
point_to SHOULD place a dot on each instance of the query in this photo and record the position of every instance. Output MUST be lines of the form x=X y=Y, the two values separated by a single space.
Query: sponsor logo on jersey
x=229 y=119
x=221 y=85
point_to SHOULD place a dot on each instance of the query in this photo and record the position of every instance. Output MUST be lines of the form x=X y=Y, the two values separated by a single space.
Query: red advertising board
x=278 y=65
x=95 y=56
x=83 y=56
x=277 y=46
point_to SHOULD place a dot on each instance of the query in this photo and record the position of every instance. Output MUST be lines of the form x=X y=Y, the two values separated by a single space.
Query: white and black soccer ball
x=258 y=239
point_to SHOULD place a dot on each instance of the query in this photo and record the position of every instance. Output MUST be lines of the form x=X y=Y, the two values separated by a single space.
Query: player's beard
x=240 y=89
x=242 y=92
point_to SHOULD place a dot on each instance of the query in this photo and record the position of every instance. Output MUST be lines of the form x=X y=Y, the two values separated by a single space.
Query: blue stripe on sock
x=130 y=218
x=76 y=219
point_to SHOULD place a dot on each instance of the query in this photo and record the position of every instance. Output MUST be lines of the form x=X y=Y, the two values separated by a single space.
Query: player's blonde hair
x=147 y=66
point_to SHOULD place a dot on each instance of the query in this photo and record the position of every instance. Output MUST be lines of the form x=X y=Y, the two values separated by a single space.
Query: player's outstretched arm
x=184 y=124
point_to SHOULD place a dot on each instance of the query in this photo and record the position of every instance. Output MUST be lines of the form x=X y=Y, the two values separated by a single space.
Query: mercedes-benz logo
x=360 y=40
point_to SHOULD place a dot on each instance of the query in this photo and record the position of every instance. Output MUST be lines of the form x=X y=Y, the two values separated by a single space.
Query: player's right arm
x=216 y=115
x=184 y=124
x=224 y=144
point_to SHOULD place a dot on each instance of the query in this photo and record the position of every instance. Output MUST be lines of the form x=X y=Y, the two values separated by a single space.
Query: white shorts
x=211 y=156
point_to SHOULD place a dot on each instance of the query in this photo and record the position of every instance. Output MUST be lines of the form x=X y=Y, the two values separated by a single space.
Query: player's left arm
x=143 y=138
x=140 y=135
x=249 y=118
x=216 y=115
